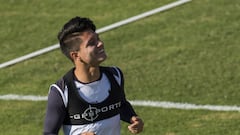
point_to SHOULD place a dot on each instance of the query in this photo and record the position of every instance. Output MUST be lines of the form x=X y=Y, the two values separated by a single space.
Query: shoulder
x=61 y=83
x=60 y=88
x=116 y=72
x=113 y=70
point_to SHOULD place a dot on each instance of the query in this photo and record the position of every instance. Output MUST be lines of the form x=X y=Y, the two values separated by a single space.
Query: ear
x=74 y=55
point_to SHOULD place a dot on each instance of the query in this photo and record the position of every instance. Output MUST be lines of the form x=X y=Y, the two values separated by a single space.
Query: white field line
x=158 y=104
x=101 y=30
x=185 y=106
x=143 y=15
x=23 y=97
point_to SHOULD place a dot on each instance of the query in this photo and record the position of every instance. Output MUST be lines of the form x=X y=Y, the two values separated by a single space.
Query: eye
x=92 y=42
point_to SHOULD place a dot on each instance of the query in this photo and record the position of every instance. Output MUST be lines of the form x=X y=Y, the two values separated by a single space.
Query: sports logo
x=92 y=113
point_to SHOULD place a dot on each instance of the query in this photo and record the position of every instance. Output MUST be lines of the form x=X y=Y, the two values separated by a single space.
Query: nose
x=100 y=43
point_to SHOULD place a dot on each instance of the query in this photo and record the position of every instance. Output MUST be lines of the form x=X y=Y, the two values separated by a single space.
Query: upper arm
x=55 y=112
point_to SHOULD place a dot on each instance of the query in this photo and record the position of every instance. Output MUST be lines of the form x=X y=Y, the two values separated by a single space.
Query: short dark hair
x=69 y=35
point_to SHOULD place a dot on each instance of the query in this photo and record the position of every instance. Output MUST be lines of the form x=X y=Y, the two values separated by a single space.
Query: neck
x=87 y=74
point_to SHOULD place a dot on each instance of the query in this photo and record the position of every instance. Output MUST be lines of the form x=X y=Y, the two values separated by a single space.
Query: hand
x=87 y=133
x=136 y=126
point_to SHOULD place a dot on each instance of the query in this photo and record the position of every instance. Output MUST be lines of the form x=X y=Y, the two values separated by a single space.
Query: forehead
x=87 y=35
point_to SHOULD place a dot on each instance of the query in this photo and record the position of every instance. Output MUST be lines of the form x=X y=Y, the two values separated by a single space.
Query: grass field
x=187 y=54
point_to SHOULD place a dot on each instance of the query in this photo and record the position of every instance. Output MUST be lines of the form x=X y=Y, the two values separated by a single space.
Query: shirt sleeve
x=126 y=110
x=55 y=113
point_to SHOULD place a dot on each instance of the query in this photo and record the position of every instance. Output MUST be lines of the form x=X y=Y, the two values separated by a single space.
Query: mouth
x=101 y=51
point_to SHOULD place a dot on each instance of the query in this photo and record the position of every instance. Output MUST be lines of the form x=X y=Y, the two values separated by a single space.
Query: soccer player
x=89 y=99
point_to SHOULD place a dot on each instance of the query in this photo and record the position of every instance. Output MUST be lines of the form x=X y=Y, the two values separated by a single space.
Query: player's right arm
x=55 y=113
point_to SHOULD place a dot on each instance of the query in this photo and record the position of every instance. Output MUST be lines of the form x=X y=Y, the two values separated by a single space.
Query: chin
x=103 y=58
x=99 y=61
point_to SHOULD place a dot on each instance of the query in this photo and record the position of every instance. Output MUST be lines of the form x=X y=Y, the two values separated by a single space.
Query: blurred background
x=188 y=54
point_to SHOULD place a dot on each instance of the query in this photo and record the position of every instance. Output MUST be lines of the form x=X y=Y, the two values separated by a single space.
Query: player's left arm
x=127 y=112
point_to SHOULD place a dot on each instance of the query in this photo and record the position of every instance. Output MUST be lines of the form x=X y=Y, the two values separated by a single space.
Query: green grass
x=22 y=117
x=181 y=122
x=187 y=54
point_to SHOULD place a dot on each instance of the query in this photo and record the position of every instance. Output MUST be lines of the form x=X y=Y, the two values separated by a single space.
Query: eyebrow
x=94 y=37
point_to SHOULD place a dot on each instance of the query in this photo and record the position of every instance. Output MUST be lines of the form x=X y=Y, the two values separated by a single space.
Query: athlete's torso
x=94 y=93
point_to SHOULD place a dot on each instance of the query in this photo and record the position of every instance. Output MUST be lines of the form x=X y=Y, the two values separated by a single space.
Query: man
x=89 y=99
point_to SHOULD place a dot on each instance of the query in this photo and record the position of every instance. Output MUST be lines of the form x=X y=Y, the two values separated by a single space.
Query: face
x=91 y=49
